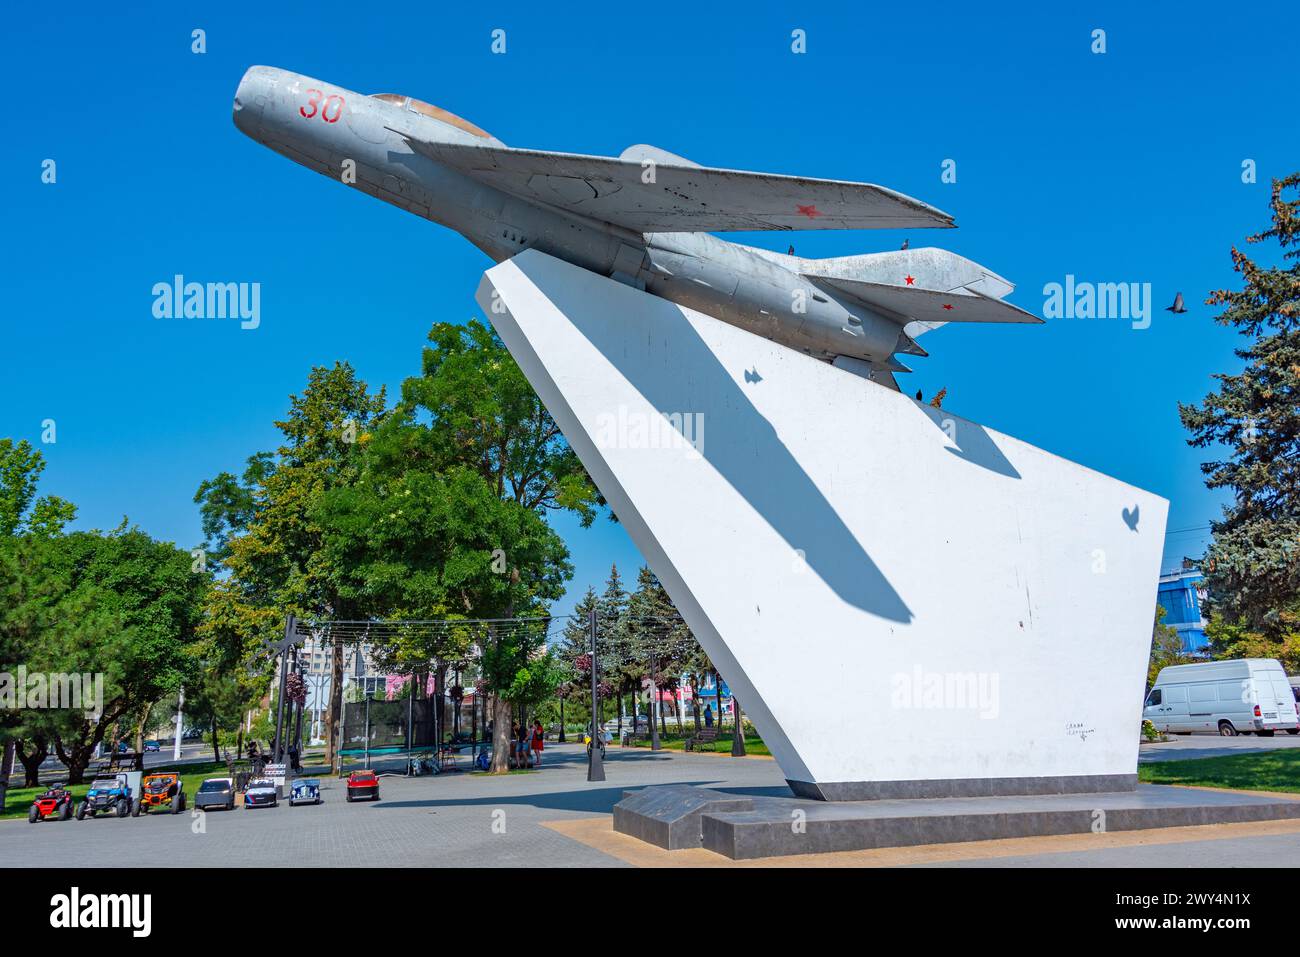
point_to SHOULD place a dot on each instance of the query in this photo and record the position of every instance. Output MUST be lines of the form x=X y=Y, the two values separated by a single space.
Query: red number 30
x=333 y=102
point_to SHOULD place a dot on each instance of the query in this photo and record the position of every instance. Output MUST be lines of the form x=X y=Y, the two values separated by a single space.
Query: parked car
x=215 y=792
x=305 y=791
x=55 y=803
x=363 y=785
x=152 y=746
x=1246 y=696
x=159 y=790
x=111 y=793
x=261 y=792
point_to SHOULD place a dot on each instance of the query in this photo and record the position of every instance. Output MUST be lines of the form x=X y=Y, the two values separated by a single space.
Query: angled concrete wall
x=905 y=602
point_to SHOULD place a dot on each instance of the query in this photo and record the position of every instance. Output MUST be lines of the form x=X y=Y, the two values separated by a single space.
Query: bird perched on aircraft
x=645 y=218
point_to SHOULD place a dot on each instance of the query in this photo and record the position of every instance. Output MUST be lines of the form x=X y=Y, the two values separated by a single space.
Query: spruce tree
x=1252 y=567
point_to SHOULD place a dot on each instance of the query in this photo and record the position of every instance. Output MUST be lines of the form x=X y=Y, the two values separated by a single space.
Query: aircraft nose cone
x=251 y=98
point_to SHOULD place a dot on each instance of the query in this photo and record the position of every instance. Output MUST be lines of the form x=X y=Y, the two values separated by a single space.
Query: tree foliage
x=1252 y=567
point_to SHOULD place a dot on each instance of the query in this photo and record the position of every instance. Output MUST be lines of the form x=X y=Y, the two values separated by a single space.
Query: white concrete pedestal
x=906 y=603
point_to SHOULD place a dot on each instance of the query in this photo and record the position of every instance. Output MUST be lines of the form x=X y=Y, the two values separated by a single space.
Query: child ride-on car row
x=305 y=791
x=363 y=785
x=55 y=803
x=164 y=789
x=111 y=794
x=261 y=792
x=215 y=792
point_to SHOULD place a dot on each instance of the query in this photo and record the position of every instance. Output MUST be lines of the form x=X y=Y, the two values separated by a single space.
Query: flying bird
x=1178 y=304
x=599 y=213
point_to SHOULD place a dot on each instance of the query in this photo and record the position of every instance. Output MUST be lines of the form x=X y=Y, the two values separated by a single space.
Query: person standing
x=522 y=744
x=539 y=742
x=708 y=716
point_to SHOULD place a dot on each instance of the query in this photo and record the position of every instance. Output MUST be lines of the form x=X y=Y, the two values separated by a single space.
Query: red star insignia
x=812 y=212
x=909 y=280
x=947 y=306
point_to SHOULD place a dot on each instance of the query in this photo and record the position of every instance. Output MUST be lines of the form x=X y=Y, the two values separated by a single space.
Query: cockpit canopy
x=437 y=113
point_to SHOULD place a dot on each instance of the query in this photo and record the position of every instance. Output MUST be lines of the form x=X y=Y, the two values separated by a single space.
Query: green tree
x=146 y=601
x=1166 y=648
x=622 y=663
x=1252 y=567
x=1235 y=640
x=448 y=516
x=266 y=527
x=21 y=512
x=658 y=635
x=575 y=636
x=31 y=616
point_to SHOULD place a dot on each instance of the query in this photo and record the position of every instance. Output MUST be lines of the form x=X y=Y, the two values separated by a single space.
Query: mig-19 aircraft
x=644 y=218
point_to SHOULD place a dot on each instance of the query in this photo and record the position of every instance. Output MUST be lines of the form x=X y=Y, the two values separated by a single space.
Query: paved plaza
x=554 y=817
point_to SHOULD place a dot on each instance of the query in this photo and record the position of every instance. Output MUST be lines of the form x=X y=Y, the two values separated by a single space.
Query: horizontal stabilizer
x=872 y=371
x=911 y=303
x=644 y=153
x=681 y=196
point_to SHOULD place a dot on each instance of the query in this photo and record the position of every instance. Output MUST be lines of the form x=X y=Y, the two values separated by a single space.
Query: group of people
x=526 y=742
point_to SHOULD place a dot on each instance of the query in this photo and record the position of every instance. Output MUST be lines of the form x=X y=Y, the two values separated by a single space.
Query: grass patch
x=18 y=800
x=677 y=742
x=1265 y=771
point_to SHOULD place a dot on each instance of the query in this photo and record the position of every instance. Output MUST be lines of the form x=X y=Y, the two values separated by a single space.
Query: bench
x=707 y=736
x=630 y=738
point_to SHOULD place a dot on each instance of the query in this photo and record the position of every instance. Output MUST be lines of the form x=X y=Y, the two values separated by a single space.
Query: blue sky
x=1120 y=167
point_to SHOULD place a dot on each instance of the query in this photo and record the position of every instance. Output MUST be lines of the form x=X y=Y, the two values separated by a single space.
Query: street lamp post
x=596 y=754
x=290 y=625
x=654 y=706
x=180 y=714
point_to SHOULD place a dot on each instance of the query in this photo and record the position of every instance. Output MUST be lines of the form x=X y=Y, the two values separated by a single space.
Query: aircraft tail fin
x=922 y=288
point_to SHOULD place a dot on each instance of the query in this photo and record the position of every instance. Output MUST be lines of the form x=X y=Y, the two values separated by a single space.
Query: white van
x=1230 y=697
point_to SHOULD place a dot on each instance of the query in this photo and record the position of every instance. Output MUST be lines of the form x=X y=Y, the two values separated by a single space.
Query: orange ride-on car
x=161 y=790
x=55 y=803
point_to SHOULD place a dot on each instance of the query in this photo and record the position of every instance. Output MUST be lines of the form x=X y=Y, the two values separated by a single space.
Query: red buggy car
x=55 y=803
x=363 y=785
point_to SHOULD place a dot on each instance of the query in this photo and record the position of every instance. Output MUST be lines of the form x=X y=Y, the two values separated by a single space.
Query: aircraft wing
x=683 y=197
x=913 y=304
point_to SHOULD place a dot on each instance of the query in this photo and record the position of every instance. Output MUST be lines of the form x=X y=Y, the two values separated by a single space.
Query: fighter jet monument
x=906 y=603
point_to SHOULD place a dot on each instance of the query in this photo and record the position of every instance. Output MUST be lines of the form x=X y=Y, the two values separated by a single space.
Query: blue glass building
x=1182 y=595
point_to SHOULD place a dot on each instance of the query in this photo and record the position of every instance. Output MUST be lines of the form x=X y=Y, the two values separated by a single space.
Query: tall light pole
x=595 y=757
x=290 y=626
x=654 y=701
x=180 y=714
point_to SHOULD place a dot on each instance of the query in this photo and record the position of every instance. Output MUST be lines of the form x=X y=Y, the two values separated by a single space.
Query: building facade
x=1182 y=595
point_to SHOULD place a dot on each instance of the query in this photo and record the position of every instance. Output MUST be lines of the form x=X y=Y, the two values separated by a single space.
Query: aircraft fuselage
x=358 y=140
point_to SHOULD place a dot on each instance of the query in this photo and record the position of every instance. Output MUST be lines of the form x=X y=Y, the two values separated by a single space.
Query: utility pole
x=180 y=713
x=738 y=741
x=595 y=762
x=297 y=724
x=290 y=625
x=654 y=704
